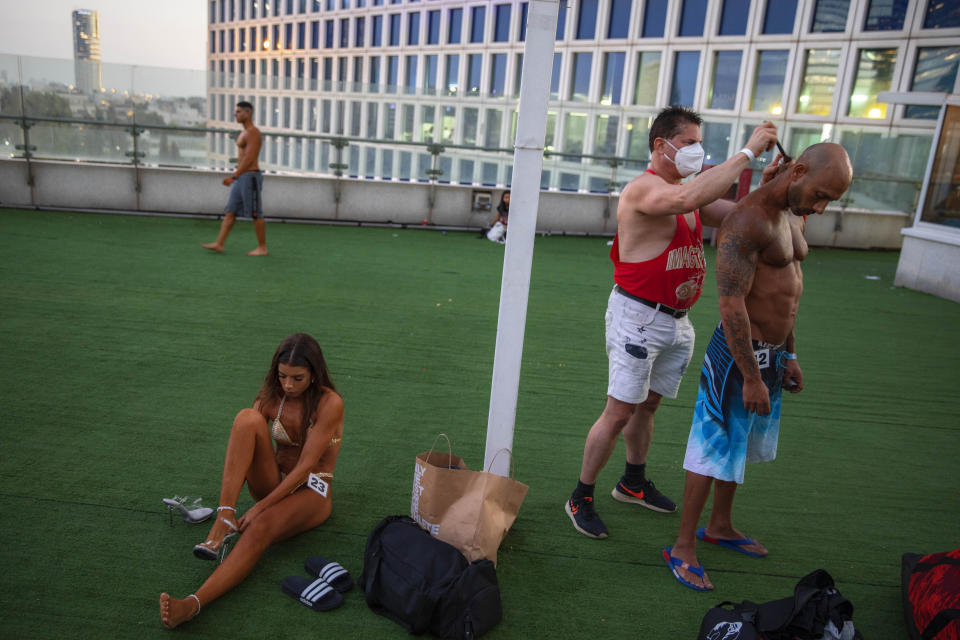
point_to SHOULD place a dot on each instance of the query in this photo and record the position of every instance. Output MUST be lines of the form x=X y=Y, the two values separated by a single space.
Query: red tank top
x=675 y=277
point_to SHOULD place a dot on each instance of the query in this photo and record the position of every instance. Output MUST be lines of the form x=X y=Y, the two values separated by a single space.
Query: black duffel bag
x=424 y=584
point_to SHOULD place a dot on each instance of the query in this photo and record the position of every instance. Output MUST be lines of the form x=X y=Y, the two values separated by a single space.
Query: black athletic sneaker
x=585 y=518
x=646 y=494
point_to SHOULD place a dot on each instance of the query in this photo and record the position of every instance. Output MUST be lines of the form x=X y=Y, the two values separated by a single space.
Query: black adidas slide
x=332 y=572
x=315 y=593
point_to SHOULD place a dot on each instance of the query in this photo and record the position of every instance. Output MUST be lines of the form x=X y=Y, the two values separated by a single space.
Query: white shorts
x=648 y=350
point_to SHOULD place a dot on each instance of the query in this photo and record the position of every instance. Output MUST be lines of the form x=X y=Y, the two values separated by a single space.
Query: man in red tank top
x=658 y=271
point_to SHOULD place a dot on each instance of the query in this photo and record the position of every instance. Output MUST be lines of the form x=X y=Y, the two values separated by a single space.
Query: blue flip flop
x=736 y=545
x=673 y=563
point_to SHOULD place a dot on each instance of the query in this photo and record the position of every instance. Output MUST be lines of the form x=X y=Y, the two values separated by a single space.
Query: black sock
x=633 y=474
x=582 y=491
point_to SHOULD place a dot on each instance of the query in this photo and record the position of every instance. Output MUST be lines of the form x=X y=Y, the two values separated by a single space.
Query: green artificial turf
x=126 y=350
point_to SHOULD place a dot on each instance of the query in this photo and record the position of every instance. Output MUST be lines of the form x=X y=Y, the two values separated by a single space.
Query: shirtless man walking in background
x=658 y=270
x=246 y=185
x=753 y=352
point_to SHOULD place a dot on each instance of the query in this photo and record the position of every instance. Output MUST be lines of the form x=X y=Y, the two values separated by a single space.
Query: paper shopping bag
x=471 y=510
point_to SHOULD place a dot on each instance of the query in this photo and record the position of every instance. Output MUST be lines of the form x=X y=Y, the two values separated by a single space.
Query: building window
x=456 y=18
x=605 y=137
x=779 y=16
x=474 y=69
x=942 y=204
x=393 y=73
x=655 y=19
x=561 y=21
x=493 y=128
x=874 y=74
x=580 y=77
x=498 y=74
x=819 y=81
x=433 y=27
x=885 y=15
x=619 y=23
x=555 y=76
x=430 y=74
x=477 y=17
x=942 y=15
x=374 y=74
x=575 y=129
x=359 y=28
x=518 y=76
x=684 y=86
x=726 y=79
x=613 y=70
x=768 y=81
x=471 y=117
x=692 y=17
x=411 y=83
x=413 y=28
x=394 y=30
x=523 y=21
x=587 y=20
x=288 y=36
x=638 y=138
x=936 y=70
x=376 y=31
x=357 y=73
x=344 y=33
x=733 y=18
x=276 y=37
x=830 y=16
x=301 y=35
x=213 y=11
x=648 y=76
x=451 y=81
x=315 y=34
x=501 y=23
x=328 y=34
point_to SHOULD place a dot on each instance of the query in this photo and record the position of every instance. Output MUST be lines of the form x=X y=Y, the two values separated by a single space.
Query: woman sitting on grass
x=298 y=407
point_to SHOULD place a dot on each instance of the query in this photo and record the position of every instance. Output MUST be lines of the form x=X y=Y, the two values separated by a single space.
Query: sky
x=157 y=33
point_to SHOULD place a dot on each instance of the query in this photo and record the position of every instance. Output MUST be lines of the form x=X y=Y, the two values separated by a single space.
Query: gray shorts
x=244 y=197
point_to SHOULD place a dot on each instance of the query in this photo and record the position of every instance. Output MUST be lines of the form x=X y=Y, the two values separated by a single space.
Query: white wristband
x=789 y=356
x=750 y=155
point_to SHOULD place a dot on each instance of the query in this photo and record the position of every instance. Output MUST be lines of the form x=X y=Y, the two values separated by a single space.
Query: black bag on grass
x=424 y=584
x=804 y=616
x=931 y=595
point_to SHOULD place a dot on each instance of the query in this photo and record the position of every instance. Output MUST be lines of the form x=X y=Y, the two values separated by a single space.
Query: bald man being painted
x=752 y=353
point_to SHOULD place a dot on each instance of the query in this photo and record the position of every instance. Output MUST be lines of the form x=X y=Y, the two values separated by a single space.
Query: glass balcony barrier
x=391 y=131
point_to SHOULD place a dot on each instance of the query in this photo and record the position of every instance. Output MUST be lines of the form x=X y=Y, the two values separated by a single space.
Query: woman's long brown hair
x=299 y=350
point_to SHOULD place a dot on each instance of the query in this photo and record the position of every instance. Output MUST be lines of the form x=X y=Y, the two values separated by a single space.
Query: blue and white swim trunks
x=724 y=436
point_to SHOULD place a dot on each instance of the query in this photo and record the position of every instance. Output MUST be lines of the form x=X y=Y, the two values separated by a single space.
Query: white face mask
x=689 y=159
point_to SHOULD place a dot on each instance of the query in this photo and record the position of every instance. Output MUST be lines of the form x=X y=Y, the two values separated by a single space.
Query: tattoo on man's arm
x=736 y=264
x=737 y=328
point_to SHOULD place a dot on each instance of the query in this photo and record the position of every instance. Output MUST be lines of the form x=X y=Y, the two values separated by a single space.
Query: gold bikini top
x=280 y=434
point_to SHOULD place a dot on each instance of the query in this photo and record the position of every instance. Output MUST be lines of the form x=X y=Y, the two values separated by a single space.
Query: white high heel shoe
x=215 y=549
x=193 y=515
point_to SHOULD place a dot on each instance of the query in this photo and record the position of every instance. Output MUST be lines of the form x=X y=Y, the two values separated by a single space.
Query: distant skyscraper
x=86 y=50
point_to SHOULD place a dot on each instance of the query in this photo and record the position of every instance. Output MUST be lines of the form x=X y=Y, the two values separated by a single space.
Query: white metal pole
x=524 y=201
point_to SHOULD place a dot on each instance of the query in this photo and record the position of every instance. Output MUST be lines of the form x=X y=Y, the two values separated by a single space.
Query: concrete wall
x=930 y=262
x=195 y=192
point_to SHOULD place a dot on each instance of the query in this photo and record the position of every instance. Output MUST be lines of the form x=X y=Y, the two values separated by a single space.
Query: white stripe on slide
x=332 y=571
x=316 y=590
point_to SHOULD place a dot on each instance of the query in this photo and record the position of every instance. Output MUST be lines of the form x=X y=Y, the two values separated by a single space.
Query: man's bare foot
x=259 y=251
x=213 y=246
x=175 y=612
x=689 y=561
x=734 y=539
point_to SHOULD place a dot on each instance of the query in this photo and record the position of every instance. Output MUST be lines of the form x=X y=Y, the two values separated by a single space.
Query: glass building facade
x=449 y=72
